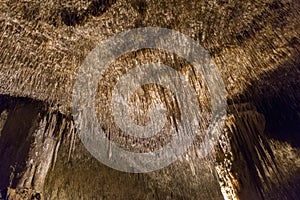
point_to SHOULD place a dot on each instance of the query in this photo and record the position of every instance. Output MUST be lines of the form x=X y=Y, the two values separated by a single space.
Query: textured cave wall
x=72 y=173
x=246 y=40
x=255 y=45
x=45 y=159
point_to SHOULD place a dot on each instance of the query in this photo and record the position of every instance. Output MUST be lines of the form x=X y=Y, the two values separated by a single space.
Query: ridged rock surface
x=255 y=45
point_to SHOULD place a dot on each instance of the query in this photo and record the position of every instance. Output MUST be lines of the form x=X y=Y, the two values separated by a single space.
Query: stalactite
x=41 y=53
x=3 y=118
x=44 y=133
x=246 y=156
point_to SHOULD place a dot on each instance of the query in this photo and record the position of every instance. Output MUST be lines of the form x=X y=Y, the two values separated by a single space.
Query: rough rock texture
x=256 y=46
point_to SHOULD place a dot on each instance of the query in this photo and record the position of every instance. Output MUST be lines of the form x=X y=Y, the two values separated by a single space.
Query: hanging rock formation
x=255 y=45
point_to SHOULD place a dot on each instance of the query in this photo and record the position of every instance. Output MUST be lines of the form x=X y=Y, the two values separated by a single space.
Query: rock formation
x=255 y=45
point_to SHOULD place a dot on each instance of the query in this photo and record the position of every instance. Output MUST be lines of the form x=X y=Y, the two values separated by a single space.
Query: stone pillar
x=30 y=139
x=245 y=155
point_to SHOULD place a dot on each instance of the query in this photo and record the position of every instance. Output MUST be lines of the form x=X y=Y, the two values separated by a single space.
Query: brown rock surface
x=255 y=45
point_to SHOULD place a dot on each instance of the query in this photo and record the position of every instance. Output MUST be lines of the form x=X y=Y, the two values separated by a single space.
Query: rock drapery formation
x=255 y=45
